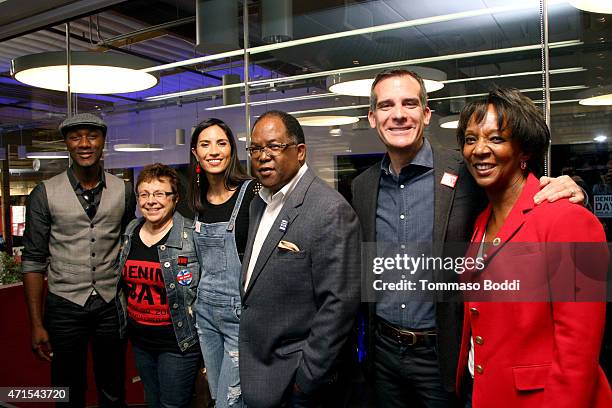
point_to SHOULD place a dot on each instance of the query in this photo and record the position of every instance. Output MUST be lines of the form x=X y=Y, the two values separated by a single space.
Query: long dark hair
x=234 y=174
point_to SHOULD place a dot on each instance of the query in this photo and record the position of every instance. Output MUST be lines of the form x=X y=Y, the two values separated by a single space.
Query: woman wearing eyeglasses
x=220 y=195
x=160 y=272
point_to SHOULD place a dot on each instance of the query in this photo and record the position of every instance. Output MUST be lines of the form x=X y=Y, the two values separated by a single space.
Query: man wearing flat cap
x=73 y=227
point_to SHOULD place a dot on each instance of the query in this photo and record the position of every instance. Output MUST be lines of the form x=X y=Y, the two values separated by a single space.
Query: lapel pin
x=283 y=225
x=449 y=179
x=198 y=226
x=184 y=277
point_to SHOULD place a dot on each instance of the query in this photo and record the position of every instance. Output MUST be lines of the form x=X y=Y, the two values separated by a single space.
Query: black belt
x=406 y=337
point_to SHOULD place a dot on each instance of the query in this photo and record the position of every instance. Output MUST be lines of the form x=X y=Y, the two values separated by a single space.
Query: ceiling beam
x=51 y=17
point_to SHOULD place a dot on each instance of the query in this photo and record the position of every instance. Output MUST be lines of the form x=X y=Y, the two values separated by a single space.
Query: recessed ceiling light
x=327 y=120
x=449 y=122
x=593 y=6
x=138 y=147
x=600 y=138
x=48 y=155
x=90 y=72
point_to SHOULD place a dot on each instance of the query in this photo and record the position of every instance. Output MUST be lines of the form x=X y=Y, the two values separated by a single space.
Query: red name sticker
x=449 y=180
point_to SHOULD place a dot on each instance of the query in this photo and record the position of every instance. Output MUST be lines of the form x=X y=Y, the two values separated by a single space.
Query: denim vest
x=180 y=297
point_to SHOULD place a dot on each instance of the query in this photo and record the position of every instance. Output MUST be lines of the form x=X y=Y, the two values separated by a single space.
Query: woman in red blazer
x=526 y=354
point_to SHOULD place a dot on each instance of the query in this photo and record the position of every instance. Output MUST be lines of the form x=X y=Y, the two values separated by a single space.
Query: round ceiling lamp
x=327 y=120
x=449 y=122
x=138 y=147
x=598 y=96
x=360 y=83
x=90 y=72
x=593 y=6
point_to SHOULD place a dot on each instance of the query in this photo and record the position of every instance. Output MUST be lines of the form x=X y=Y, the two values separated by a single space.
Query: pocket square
x=289 y=246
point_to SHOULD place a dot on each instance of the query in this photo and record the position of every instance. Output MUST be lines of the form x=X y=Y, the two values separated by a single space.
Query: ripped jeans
x=217 y=326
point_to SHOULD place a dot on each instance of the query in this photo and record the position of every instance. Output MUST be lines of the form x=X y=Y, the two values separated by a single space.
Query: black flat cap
x=82 y=120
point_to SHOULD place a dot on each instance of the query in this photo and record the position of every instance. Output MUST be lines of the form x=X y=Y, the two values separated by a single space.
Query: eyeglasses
x=158 y=195
x=90 y=208
x=272 y=149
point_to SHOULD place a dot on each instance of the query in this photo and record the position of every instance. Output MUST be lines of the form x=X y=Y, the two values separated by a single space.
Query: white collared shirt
x=275 y=203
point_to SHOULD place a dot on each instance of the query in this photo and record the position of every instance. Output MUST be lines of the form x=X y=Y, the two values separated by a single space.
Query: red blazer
x=536 y=354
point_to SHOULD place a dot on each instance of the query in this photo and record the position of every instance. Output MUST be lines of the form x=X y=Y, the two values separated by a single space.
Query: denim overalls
x=218 y=305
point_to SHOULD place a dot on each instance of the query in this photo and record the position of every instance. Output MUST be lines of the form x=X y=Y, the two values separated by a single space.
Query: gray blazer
x=300 y=306
x=455 y=210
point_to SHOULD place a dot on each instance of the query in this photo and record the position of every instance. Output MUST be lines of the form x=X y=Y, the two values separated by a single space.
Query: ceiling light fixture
x=265 y=82
x=449 y=122
x=231 y=96
x=516 y=74
x=327 y=95
x=593 y=6
x=360 y=83
x=48 y=155
x=600 y=138
x=18 y=171
x=598 y=96
x=331 y=109
x=348 y=107
x=350 y=33
x=273 y=101
x=327 y=120
x=276 y=21
x=334 y=116
x=180 y=136
x=90 y=72
x=556 y=89
x=138 y=147
x=335 y=131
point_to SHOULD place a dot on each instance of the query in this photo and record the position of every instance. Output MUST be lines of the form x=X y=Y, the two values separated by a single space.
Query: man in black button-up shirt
x=61 y=238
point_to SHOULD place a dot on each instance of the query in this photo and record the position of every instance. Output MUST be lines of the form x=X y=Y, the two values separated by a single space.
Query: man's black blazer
x=455 y=210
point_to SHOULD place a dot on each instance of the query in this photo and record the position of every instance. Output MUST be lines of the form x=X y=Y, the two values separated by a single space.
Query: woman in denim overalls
x=221 y=193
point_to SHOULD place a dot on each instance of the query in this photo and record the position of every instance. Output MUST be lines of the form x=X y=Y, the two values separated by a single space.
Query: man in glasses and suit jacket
x=73 y=227
x=300 y=286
